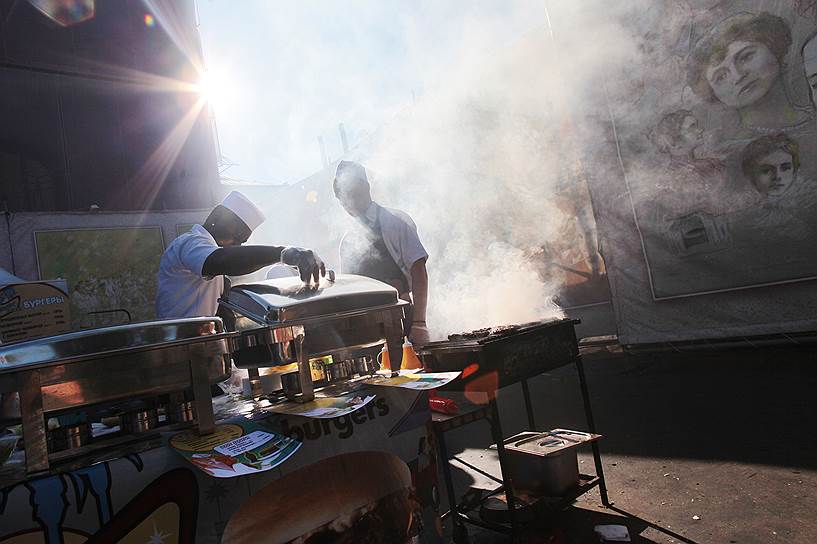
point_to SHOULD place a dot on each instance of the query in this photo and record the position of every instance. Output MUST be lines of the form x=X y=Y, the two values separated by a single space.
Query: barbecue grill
x=282 y=321
x=71 y=374
x=490 y=359
x=512 y=353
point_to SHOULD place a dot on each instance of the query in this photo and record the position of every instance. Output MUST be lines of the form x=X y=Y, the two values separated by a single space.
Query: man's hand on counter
x=418 y=335
x=309 y=264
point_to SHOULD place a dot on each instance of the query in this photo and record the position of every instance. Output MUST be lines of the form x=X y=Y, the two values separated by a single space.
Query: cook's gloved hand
x=418 y=335
x=309 y=264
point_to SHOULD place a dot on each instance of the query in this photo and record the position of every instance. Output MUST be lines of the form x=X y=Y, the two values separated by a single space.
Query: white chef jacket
x=400 y=236
x=182 y=291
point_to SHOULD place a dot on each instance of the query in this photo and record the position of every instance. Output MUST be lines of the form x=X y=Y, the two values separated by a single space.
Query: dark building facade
x=102 y=110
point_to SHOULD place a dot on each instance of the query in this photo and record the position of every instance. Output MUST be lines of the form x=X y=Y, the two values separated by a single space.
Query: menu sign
x=234 y=449
x=32 y=310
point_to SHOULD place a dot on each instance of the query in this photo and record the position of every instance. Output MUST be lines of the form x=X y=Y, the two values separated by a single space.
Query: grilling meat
x=483 y=333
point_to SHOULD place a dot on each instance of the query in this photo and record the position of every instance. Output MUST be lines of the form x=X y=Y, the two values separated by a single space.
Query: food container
x=139 y=421
x=290 y=384
x=265 y=384
x=545 y=463
x=69 y=437
x=364 y=366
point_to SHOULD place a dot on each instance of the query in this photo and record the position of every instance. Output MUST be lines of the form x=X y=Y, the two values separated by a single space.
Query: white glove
x=310 y=266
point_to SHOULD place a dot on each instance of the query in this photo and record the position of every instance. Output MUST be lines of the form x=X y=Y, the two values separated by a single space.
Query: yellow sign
x=190 y=441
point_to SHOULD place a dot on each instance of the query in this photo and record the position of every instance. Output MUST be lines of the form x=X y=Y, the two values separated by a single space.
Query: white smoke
x=477 y=159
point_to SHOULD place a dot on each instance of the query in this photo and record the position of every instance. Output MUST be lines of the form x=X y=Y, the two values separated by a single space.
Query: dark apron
x=363 y=252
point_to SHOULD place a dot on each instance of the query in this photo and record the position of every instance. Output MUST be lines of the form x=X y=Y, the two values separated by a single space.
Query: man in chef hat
x=192 y=269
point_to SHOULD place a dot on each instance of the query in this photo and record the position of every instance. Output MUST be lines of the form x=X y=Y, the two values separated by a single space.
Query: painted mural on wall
x=722 y=171
x=107 y=270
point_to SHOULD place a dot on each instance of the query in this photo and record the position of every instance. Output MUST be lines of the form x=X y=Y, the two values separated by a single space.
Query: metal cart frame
x=460 y=514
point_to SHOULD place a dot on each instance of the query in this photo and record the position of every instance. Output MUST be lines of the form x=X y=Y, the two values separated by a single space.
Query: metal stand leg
x=528 y=405
x=394 y=342
x=255 y=382
x=588 y=412
x=459 y=530
x=202 y=398
x=496 y=432
x=31 y=407
x=304 y=372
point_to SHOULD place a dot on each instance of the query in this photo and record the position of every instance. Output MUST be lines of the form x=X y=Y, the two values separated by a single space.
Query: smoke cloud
x=478 y=161
x=478 y=157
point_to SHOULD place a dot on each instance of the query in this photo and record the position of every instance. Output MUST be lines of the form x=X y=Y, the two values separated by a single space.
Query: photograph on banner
x=717 y=135
x=236 y=448
x=410 y=379
x=323 y=407
x=111 y=272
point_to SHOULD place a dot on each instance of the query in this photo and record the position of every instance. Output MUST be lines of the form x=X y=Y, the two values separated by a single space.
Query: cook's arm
x=419 y=295
x=240 y=260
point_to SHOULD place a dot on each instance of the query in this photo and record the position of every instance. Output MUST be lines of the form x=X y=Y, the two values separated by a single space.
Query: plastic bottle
x=410 y=359
x=383 y=358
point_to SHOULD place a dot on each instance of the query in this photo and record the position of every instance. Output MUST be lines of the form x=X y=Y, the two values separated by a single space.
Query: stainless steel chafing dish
x=282 y=321
x=97 y=367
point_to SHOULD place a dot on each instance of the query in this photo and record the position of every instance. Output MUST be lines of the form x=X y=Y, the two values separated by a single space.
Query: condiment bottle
x=410 y=359
x=383 y=358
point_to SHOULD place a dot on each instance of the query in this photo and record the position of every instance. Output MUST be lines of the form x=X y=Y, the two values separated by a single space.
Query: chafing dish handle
x=241 y=311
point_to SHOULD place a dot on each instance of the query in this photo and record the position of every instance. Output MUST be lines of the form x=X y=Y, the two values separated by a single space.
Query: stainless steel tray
x=282 y=321
x=552 y=442
x=289 y=301
x=95 y=343
x=69 y=372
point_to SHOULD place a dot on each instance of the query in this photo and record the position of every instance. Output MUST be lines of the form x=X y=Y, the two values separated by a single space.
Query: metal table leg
x=588 y=412
x=528 y=405
x=34 y=431
x=496 y=432
x=202 y=397
x=394 y=343
x=459 y=530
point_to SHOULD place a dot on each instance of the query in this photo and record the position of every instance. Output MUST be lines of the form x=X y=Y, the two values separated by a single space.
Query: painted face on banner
x=692 y=134
x=745 y=75
x=810 y=67
x=775 y=173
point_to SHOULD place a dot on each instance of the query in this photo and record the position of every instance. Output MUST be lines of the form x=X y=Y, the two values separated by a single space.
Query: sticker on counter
x=323 y=408
x=235 y=449
x=410 y=379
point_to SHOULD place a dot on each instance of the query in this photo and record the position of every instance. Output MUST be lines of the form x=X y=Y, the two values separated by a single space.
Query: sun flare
x=216 y=90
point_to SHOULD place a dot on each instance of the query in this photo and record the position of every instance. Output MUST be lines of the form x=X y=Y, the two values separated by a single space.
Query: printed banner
x=704 y=173
x=236 y=448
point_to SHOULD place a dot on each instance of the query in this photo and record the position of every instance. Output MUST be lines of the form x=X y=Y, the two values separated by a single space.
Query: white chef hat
x=244 y=209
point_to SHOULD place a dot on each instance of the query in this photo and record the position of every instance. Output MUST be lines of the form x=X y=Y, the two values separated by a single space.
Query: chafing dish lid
x=95 y=342
x=288 y=299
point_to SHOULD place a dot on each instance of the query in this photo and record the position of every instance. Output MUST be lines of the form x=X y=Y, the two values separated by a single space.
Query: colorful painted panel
x=108 y=270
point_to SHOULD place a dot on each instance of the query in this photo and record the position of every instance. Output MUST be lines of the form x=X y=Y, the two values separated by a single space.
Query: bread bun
x=332 y=493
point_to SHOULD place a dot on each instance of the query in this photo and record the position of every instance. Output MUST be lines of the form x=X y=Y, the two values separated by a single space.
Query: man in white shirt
x=192 y=269
x=384 y=246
